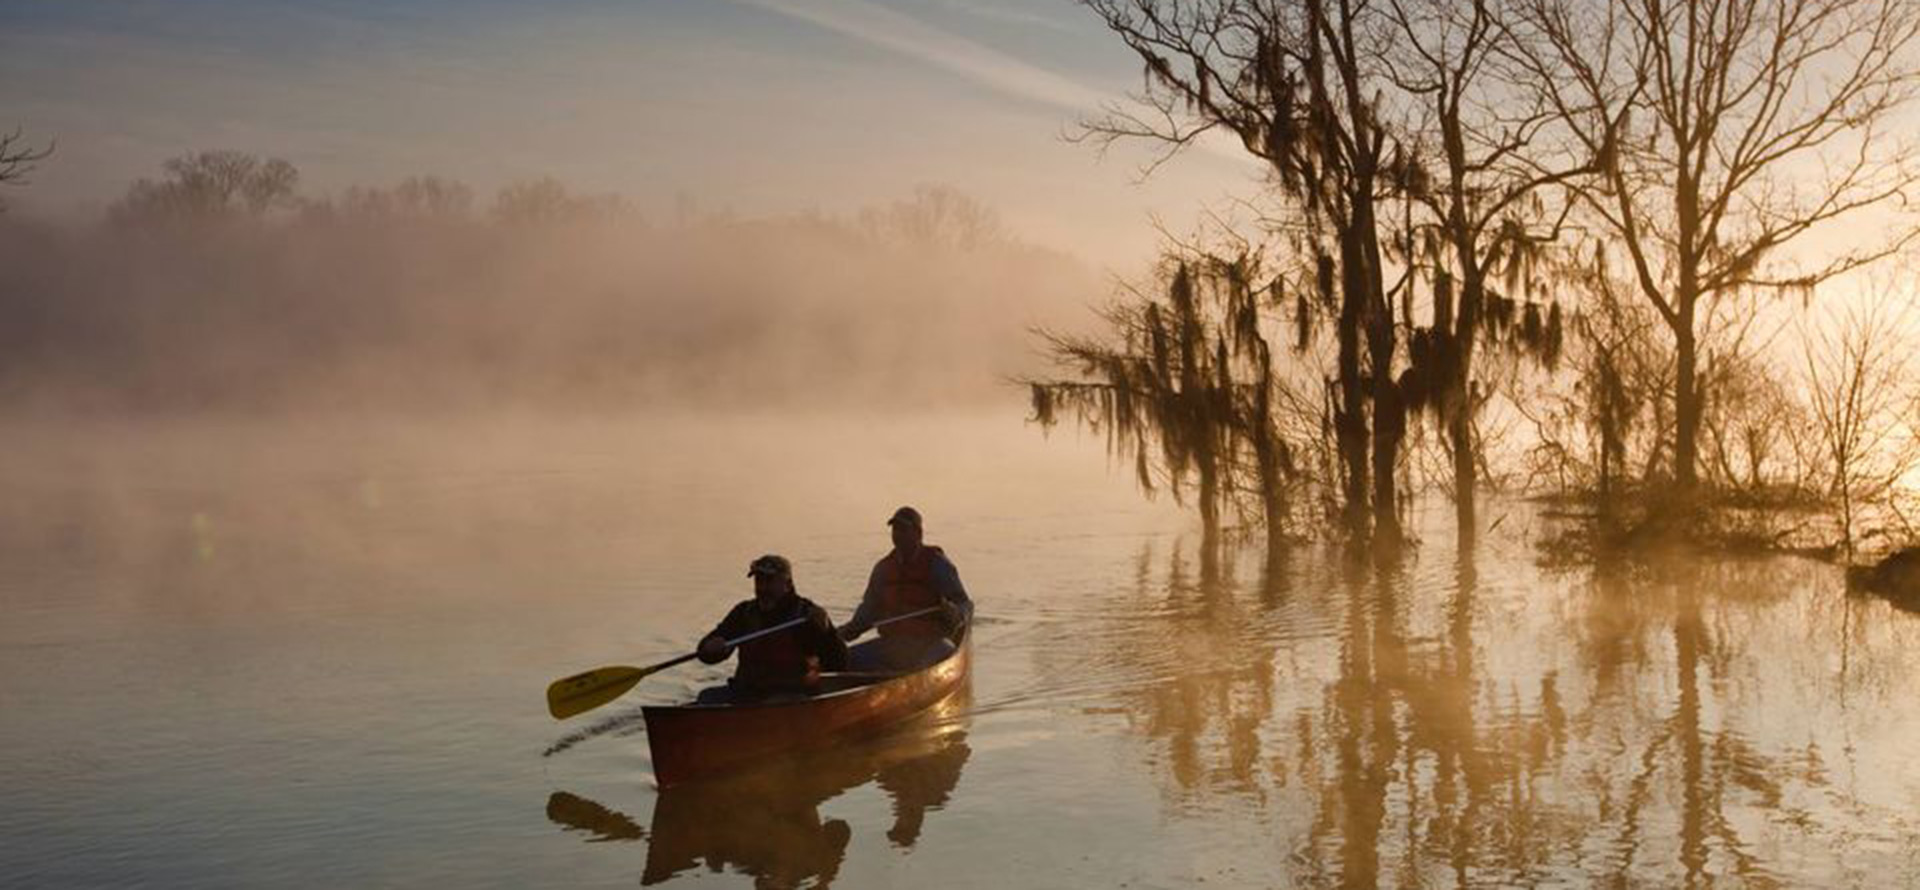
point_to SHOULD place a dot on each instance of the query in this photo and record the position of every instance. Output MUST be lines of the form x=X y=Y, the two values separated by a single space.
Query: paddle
x=587 y=690
x=590 y=689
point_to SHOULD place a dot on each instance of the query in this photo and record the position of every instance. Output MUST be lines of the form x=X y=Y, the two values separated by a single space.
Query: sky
x=748 y=106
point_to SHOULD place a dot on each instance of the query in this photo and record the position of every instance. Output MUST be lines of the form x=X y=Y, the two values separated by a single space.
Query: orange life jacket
x=777 y=661
x=906 y=585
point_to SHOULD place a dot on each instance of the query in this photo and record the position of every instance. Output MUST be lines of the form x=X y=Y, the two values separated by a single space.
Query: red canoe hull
x=695 y=742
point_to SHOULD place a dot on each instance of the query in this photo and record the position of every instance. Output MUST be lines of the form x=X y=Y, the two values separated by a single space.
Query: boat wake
x=623 y=723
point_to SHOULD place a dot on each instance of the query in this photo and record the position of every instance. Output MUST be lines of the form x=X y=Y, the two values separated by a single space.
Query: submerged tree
x=1295 y=85
x=1724 y=131
x=1186 y=387
x=1486 y=223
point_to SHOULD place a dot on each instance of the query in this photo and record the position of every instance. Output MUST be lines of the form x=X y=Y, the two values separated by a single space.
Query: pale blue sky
x=757 y=105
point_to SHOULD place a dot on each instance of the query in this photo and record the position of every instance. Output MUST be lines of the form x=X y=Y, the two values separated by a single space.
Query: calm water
x=312 y=654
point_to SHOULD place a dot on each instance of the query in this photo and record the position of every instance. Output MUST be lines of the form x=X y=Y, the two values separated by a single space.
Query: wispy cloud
x=901 y=33
x=896 y=31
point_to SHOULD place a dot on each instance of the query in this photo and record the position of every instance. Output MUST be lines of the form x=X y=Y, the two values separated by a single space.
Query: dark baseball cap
x=771 y=564
x=907 y=515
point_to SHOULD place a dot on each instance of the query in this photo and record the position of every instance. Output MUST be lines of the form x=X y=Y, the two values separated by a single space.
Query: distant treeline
x=220 y=285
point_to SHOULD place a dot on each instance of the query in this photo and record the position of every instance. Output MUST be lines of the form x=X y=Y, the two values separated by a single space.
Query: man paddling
x=786 y=662
x=914 y=576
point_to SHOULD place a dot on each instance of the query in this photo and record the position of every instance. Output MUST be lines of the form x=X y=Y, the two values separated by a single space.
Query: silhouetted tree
x=545 y=200
x=936 y=216
x=208 y=186
x=1724 y=130
x=1189 y=379
x=17 y=159
x=1295 y=84
x=1861 y=399
x=1487 y=220
x=417 y=197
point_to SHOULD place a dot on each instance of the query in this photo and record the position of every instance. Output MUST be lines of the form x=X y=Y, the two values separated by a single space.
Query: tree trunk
x=1350 y=416
x=1209 y=473
x=1460 y=434
x=1465 y=324
x=1389 y=410
x=1686 y=401
x=1389 y=428
x=1272 y=471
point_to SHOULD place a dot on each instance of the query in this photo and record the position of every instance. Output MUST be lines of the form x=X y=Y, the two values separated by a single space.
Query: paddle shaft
x=886 y=621
x=734 y=643
x=591 y=689
x=748 y=638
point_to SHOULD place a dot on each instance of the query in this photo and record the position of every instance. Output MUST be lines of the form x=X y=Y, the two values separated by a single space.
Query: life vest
x=778 y=661
x=906 y=585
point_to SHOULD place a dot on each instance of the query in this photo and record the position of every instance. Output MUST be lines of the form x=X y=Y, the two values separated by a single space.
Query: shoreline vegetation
x=1564 y=249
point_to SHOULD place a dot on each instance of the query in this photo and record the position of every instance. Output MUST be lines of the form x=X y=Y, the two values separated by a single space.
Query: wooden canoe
x=692 y=742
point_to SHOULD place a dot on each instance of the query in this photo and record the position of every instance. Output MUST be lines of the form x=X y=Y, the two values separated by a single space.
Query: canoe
x=692 y=742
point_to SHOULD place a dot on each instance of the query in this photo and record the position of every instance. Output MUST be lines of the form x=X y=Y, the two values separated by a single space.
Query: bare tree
x=17 y=159
x=210 y=185
x=546 y=200
x=936 y=216
x=1858 y=391
x=1724 y=131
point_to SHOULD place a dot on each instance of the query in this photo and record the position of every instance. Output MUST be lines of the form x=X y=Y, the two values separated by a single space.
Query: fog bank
x=406 y=297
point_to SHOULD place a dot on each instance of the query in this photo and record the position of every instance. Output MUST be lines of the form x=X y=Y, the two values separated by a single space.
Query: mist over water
x=310 y=652
x=549 y=299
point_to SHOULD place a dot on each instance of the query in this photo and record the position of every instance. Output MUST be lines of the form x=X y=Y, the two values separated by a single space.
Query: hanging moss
x=1303 y=323
x=1043 y=405
x=1554 y=338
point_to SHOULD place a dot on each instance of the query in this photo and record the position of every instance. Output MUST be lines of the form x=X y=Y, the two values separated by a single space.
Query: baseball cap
x=771 y=564
x=907 y=515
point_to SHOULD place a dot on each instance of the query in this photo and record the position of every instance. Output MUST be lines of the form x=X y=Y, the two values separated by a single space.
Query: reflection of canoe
x=768 y=822
x=695 y=741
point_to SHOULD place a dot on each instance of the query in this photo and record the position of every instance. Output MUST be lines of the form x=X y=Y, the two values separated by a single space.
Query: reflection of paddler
x=767 y=823
x=912 y=577
x=917 y=785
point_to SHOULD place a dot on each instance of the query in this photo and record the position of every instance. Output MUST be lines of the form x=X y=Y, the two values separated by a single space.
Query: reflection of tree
x=1694 y=745
x=1402 y=740
x=1394 y=725
x=768 y=824
x=1212 y=679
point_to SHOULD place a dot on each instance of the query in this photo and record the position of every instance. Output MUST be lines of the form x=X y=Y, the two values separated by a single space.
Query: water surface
x=312 y=652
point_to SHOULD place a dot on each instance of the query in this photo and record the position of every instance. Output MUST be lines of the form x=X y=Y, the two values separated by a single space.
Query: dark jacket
x=790 y=658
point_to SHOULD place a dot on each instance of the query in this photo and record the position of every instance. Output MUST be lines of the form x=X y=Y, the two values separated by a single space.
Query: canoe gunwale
x=698 y=741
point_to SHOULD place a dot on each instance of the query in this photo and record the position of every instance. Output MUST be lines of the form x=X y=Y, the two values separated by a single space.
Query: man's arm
x=867 y=612
x=713 y=647
x=825 y=641
x=946 y=582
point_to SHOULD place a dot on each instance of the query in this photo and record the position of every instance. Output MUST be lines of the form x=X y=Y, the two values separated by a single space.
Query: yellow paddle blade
x=588 y=690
